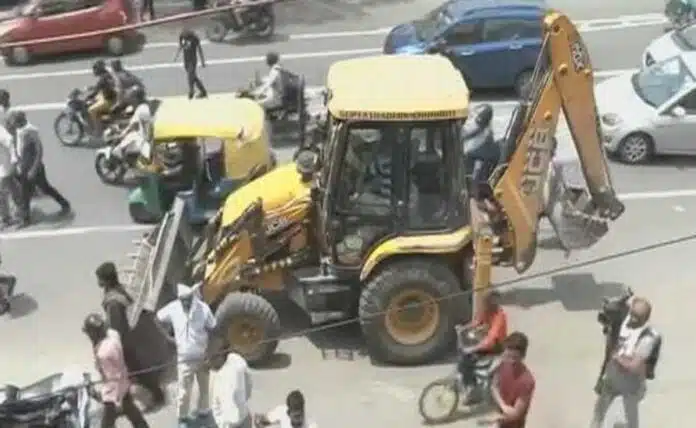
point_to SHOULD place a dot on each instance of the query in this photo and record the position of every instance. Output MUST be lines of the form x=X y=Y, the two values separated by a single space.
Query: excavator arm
x=531 y=186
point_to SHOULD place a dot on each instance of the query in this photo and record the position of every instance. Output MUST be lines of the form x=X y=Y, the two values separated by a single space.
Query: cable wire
x=311 y=330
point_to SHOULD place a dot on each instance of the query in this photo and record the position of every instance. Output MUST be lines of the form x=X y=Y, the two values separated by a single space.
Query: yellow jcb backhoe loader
x=376 y=222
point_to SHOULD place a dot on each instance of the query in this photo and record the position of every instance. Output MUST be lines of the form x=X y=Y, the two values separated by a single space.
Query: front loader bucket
x=159 y=263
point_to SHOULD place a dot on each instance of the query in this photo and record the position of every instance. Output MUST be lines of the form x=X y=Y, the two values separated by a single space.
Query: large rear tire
x=408 y=311
x=251 y=326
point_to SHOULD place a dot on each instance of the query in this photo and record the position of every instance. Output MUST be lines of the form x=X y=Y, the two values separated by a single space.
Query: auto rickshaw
x=203 y=149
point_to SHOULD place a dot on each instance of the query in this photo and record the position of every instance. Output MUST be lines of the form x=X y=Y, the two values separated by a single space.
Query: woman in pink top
x=108 y=355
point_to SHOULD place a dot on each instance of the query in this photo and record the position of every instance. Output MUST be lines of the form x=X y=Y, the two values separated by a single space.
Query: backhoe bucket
x=159 y=263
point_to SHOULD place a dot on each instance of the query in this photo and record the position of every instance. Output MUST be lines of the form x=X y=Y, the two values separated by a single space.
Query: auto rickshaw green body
x=223 y=143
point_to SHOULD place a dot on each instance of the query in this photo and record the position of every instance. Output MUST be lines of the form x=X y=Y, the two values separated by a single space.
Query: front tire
x=635 y=149
x=421 y=287
x=115 y=45
x=263 y=26
x=67 y=121
x=251 y=326
x=18 y=55
x=109 y=170
x=445 y=409
x=216 y=30
x=140 y=215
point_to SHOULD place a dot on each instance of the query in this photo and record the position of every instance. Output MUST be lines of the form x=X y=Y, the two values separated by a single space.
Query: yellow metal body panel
x=239 y=123
x=449 y=243
x=397 y=88
x=279 y=188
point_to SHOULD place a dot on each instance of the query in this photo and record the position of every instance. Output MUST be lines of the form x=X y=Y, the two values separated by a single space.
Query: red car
x=39 y=19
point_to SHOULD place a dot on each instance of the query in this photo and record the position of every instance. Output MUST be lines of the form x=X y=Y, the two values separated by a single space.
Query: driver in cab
x=103 y=94
x=270 y=93
x=492 y=320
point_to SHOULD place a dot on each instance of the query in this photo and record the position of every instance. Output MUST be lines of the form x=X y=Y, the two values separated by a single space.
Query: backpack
x=651 y=362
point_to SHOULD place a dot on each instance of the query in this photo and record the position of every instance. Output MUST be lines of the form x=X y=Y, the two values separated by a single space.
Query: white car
x=650 y=112
x=670 y=44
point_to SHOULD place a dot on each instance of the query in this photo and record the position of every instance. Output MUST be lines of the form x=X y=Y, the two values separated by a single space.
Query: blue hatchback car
x=494 y=43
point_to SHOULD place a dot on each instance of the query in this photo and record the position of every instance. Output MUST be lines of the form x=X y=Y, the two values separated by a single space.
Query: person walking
x=31 y=171
x=115 y=303
x=147 y=7
x=4 y=105
x=230 y=388
x=109 y=360
x=8 y=183
x=633 y=362
x=190 y=46
x=193 y=323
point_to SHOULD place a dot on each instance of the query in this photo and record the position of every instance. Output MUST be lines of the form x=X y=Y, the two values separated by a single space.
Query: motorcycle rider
x=493 y=320
x=127 y=85
x=103 y=94
x=138 y=132
x=270 y=93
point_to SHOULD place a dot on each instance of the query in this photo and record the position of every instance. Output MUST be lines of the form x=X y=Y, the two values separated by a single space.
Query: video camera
x=614 y=310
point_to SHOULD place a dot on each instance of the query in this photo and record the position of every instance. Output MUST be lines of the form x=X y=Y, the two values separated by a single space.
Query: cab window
x=688 y=102
x=429 y=180
x=506 y=29
x=464 y=33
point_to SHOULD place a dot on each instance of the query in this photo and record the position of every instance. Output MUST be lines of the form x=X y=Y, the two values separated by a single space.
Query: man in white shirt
x=270 y=93
x=230 y=389
x=138 y=132
x=8 y=187
x=290 y=415
x=193 y=322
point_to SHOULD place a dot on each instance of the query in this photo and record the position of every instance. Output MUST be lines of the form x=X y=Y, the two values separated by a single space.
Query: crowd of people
x=223 y=379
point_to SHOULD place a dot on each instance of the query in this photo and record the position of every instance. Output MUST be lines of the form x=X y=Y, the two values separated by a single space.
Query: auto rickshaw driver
x=102 y=95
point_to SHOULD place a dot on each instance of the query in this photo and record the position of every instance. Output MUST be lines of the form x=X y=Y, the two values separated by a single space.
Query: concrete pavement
x=45 y=329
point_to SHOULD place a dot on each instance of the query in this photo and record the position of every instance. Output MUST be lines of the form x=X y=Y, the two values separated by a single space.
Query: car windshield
x=660 y=82
x=687 y=35
x=435 y=20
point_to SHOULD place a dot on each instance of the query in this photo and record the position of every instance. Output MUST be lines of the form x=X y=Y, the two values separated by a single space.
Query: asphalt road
x=55 y=261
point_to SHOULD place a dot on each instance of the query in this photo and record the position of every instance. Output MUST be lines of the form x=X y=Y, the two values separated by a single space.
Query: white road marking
x=76 y=231
x=312 y=91
x=592 y=25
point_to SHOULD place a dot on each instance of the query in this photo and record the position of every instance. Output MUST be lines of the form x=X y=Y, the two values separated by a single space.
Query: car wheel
x=115 y=45
x=523 y=83
x=19 y=55
x=635 y=149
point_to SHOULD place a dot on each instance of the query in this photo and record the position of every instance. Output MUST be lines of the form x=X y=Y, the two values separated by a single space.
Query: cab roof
x=397 y=88
x=219 y=115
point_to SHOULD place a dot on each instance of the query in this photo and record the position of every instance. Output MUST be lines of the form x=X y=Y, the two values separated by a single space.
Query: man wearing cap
x=193 y=322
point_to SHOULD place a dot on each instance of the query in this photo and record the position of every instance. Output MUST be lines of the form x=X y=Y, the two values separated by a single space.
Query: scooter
x=447 y=393
x=257 y=21
x=110 y=168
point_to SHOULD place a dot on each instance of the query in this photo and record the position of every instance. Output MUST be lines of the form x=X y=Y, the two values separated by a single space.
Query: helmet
x=272 y=58
x=94 y=323
x=99 y=67
x=116 y=65
x=16 y=119
x=484 y=115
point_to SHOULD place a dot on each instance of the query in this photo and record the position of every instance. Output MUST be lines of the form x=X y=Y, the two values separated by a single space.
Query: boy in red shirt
x=513 y=384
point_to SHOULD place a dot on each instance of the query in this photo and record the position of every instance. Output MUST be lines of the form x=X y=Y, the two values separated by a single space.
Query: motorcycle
x=57 y=401
x=257 y=21
x=680 y=13
x=447 y=393
x=110 y=168
x=73 y=123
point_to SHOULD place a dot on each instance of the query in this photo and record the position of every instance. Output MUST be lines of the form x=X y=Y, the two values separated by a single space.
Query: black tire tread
x=372 y=301
x=236 y=303
x=651 y=149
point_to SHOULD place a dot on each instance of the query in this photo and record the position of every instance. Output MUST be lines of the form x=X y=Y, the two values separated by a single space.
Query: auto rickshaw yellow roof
x=397 y=88
x=219 y=115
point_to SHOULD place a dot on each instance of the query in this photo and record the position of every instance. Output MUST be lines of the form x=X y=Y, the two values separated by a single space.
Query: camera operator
x=632 y=353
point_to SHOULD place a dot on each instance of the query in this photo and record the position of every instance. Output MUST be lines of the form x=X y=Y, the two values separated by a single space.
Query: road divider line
x=312 y=92
x=590 y=25
x=76 y=231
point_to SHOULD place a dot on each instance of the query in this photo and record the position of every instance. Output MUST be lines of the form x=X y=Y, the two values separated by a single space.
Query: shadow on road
x=22 y=305
x=576 y=292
